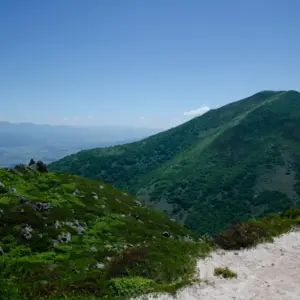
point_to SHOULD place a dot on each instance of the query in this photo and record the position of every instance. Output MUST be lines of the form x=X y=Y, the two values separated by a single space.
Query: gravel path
x=269 y=271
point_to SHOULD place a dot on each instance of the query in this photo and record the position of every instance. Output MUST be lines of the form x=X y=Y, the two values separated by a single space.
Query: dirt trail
x=269 y=271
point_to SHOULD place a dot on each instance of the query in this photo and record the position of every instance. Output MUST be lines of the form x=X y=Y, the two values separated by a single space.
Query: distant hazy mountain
x=20 y=142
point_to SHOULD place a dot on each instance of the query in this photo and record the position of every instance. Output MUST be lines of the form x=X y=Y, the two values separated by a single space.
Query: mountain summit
x=232 y=163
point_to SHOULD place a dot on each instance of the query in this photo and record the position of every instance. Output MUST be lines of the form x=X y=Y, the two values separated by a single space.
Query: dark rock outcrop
x=32 y=162
x=41 y=167
x=39 y=206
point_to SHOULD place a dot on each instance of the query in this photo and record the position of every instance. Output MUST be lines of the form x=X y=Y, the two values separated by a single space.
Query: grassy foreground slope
x=64 y=237
x=232 y=163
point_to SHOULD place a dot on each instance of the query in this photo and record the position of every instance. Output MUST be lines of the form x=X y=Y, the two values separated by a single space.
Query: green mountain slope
x=65 y=237
x=232 y=163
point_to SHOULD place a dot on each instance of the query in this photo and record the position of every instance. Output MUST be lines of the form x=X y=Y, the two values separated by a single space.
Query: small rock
x=137 y=217
x=138 y=203
x=76 y=192
x=103 y=206
x=39 y=206
x=93 y=249
x=95 y=197
x=26 y=232
x=101 y=187
x=1 y=251
x=2 y=184
x=12 y=189
x=100 y=266
x=1 y=211
x=76 y=226
x=65 y=237
x=57 y=224
x=166 y=234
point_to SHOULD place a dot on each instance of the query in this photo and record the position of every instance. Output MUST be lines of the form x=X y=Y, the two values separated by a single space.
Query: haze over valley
x=22 y=141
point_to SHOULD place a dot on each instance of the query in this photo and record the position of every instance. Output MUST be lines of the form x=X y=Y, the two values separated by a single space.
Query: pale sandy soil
x=268 y=272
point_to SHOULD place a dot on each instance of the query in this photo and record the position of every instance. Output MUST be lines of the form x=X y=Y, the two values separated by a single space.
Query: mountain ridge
x=209 y=163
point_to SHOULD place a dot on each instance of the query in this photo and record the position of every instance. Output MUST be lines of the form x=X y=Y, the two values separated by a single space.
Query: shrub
x=241 y=236
x=130 y=260
x=131 y=286
x=225 y=273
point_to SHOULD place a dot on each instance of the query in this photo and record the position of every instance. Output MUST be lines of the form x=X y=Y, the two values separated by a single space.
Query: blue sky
x=139 y=62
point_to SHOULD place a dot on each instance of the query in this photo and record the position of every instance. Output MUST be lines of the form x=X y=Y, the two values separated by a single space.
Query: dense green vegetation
x=233 y=163
x=65 y=237
x=254 y=231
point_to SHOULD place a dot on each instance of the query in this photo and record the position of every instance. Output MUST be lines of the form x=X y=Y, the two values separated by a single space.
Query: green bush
x=252 y=232
x=225 y=273
x=118 y=238
x=240 y=236
x=131 y=286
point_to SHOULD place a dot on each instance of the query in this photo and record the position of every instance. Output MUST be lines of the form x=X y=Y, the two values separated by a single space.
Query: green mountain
x=232 y=163
x=65 y=237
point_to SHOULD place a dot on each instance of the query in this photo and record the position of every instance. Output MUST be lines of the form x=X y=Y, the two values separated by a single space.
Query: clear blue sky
x=141 y=62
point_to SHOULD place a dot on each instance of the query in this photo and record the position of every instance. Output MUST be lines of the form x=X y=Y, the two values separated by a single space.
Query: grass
x=225 y=273
x=117 y=246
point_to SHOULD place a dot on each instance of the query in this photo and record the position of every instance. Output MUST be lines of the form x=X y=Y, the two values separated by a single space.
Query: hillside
x=64 y=237
x=232 y=163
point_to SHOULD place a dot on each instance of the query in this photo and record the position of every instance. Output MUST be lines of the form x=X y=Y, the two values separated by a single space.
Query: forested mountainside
x=232 y=163
x=65 y=237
